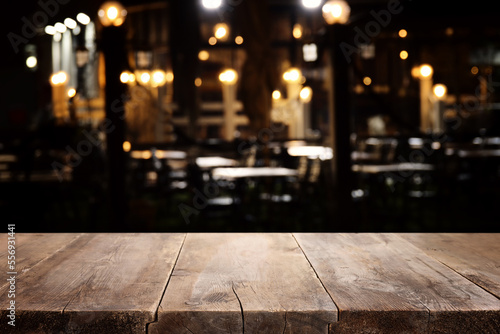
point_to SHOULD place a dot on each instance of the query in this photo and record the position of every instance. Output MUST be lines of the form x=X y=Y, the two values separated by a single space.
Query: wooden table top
x=253 y=283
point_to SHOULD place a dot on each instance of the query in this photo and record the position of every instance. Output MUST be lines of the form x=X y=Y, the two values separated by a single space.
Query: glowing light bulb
x=439 y=90
x=426 y=71
x=31 y=61
x=306 y=94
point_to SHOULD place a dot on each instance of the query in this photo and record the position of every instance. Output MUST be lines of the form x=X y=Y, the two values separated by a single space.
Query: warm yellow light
x=31 y=61
x=367 y=81
x=169 y=76
x=71 y=92
x=125 y=77
x=439 y=90
x=297 y=31
x=306 y=94
x=63 y=77
x=293 y=75
x=403 y=54
x=426 y=71
x=54 y=79
x=403 y=33
x=221 y=31
x=112 y=13
x=276 y=95
x=238 y=40
x=144 y=77
x=126 y=146
x=212 y=40
x=415 y=72
x=146 y=155
x=229 y=77
x=474 y=70
x=336 y=11
x=198 y=82
x=58 y=78
x=203 y=55
x=159 y=78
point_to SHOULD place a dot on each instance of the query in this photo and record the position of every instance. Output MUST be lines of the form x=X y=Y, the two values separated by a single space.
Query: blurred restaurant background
x=239 y=115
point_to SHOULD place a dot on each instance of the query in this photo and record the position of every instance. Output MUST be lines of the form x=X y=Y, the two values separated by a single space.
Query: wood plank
x=32 y=248
x=383 y=284
x=251 y=283
x=473 y=255
x=101 y=283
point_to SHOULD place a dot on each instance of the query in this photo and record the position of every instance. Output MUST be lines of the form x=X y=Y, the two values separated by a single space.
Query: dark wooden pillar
x=113 y=47
x=340 y=113
x=185 y=45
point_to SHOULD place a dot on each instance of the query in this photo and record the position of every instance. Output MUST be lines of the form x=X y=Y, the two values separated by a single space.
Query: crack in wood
x=317 y=276
x=78 y=293
x=241 y=308
x=155 y=318
x=284 y=328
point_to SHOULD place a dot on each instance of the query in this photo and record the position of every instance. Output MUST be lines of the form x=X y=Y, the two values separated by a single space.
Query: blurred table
x=312 y=152
x=247 y=172
x=160 y=154
x=405 y=166
x=478 y=153
x=8 y=158
x=263 y=282
x=214 y=162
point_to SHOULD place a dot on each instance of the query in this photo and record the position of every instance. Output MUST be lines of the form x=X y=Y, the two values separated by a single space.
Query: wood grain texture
x=473 y=255
x=101 y=283
x=251 y=283
x=32 y=248
x=383 y=284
